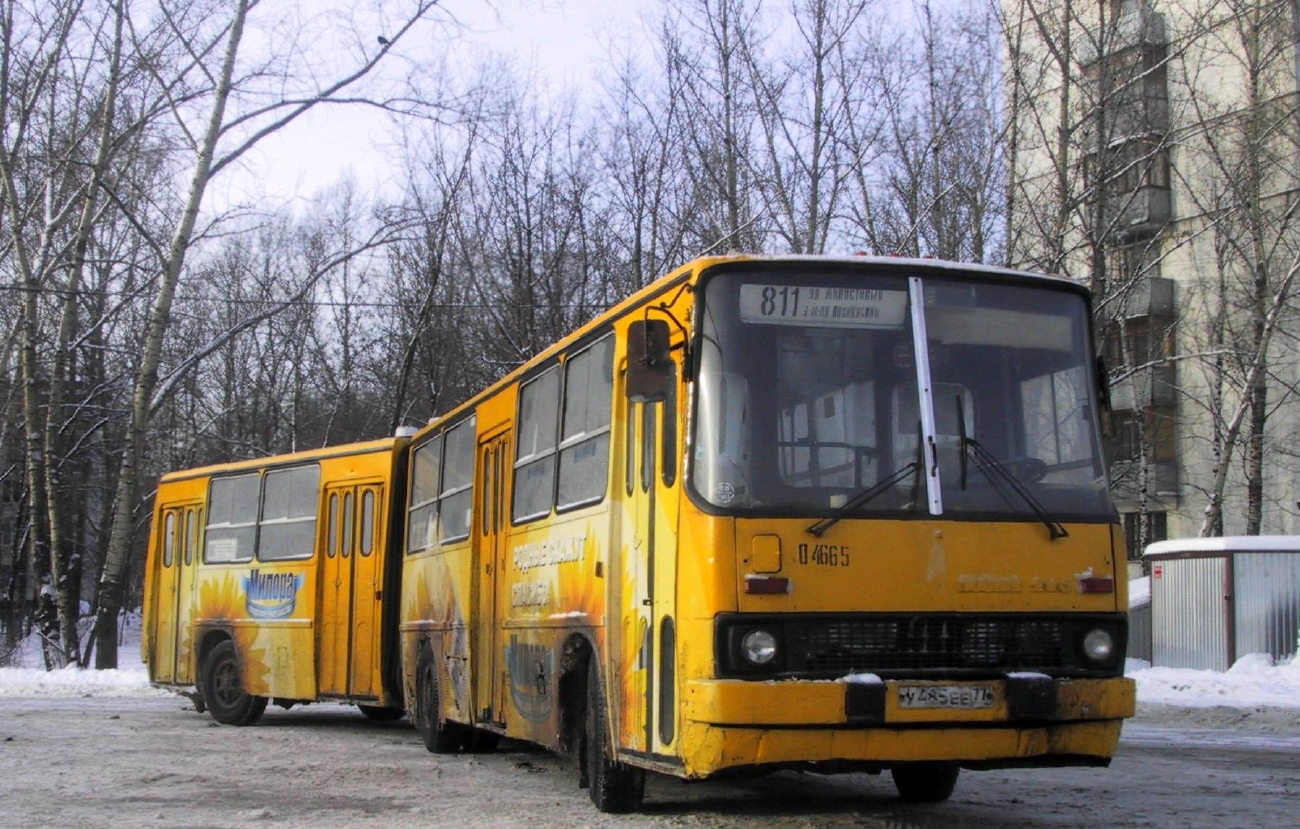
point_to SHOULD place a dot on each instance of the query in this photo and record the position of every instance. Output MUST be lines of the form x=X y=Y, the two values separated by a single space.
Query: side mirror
x=649 y=366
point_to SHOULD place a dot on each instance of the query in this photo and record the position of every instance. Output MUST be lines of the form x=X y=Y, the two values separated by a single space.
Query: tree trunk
x=109 y=600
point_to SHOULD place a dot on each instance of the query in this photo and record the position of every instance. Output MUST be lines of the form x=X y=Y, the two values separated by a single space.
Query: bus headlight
x=758 y=647
x=1099 y=645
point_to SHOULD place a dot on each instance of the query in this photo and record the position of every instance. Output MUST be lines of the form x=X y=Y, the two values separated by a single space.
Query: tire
x=440 y=736
x=614 y=788
x=379 y=713
x=925 y=782
x=223 y=688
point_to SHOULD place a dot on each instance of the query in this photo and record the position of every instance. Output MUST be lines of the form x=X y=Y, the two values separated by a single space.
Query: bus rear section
x=273 y=580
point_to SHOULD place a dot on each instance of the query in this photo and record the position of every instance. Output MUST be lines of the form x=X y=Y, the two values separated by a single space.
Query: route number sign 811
x=822 y=307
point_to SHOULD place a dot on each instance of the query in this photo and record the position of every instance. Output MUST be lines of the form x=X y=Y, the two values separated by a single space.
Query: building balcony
x=1149 y=297
x=1151 y=387
x=1141 y=28
x=1142 y=212
x=1161 y=483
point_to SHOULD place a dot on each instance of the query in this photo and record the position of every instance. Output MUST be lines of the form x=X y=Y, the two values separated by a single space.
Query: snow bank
x=1139 y=592
x=27 y=679
x=1252 y=682
x=77 y=682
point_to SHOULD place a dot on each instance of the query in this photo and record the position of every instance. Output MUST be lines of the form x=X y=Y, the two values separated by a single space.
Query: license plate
x=945 y=696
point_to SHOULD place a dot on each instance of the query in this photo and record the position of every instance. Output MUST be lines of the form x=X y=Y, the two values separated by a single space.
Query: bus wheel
x=223 y=688
x=613 y=787
x=925 y=782
x=440 y=736
x=381 y=714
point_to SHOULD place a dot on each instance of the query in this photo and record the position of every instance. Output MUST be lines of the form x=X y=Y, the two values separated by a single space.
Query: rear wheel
x=613 y=787
x=440 y=737
x=925 y=782
x=381 y=714
x=223 y=688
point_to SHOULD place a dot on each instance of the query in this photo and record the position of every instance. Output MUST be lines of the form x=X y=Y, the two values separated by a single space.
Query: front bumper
x=1031 y=721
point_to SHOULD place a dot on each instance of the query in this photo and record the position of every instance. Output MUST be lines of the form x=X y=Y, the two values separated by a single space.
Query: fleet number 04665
x=825 y=555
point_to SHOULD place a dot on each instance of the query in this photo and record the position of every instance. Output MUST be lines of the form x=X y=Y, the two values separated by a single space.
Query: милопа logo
x=272 y=595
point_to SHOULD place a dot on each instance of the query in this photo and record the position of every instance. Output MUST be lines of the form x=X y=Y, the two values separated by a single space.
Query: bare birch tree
x=239 y=115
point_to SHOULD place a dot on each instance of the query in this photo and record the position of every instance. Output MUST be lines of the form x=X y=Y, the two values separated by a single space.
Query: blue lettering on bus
x=272 y=595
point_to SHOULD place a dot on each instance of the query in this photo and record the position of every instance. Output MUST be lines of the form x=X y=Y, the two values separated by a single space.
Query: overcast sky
x=563 y=39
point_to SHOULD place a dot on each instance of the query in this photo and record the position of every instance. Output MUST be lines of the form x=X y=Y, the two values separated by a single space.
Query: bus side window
x=288 y=526
x=456 y=501
x=539 y=408
x=169 y=539
x=629 y=466
x=422 y=521
x=332 y=540
x=584 y=434
x=191 y=535
x=347 y=524
x=668 y=467
x=231 y=533
x=367 y=522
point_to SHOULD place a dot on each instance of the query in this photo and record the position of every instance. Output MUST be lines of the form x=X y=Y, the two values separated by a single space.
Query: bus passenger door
x=351 y=577
x=487 y=687
x=367 y=595
x=645 y=654
x=188 y=557
x=166 y=597
x=336 y=591
x=627 y=685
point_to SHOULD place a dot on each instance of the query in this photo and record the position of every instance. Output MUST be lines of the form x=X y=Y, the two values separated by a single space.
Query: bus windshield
x=811 y=392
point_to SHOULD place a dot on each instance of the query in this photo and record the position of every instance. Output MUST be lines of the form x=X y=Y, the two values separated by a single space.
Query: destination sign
x=822 y=307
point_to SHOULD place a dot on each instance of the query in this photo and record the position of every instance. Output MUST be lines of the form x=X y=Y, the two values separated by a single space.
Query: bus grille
x=926 y=643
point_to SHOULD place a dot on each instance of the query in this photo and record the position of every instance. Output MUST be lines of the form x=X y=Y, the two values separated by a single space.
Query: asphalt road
x=99 y=762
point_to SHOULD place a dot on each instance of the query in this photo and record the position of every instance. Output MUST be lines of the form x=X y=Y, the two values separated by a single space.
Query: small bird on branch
x=383 y=41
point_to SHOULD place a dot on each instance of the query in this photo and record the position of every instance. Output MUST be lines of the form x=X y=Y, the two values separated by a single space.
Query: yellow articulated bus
x=278 y=579
x=829 y=514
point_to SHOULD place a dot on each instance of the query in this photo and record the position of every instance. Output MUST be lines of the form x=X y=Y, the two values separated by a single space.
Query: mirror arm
x=663 y=308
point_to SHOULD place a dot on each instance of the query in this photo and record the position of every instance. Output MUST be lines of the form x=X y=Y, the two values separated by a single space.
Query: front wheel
x=440 y=736
x=223 y=688
x=925 y=782
x=614 y=787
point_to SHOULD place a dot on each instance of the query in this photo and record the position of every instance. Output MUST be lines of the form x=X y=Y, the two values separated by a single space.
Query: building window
x=1157 y=530
x=1145 y=339
x=1157 y=429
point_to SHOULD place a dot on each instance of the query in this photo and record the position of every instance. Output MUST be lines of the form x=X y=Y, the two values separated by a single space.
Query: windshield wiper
x=862 y=498
x=1000 y=478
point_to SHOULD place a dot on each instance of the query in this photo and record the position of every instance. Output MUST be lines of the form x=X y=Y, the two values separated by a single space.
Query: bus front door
x=488 y=687
x=644 y=653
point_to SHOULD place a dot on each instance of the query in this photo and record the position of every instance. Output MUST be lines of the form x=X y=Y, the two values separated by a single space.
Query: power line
x=314 y=303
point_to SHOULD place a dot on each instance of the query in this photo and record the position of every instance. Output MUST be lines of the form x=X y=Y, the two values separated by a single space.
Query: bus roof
x=682 y=274
x=382 y=445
